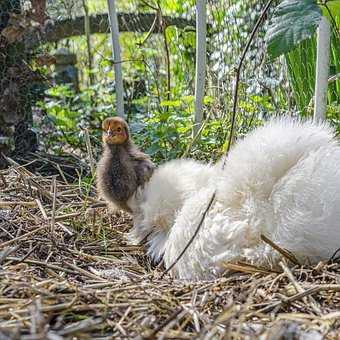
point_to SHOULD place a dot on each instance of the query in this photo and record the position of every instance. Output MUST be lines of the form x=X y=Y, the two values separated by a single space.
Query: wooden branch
x=128 y=22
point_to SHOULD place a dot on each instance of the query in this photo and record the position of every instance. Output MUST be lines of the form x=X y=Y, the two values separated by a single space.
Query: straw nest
x=67 y=271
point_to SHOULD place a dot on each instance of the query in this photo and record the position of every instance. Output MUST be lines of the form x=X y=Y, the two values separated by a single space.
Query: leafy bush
x=164 y=132
x=162 y=126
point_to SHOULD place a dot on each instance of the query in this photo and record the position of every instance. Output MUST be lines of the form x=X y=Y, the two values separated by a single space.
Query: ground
x=68 y=272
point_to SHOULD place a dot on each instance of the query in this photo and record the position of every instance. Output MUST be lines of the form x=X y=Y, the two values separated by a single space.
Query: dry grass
x=69 y=273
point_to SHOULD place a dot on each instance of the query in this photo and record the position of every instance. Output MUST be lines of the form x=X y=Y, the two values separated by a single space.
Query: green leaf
x=333 y=9
x=171 y=103
x=293 y=21
x=207 y=100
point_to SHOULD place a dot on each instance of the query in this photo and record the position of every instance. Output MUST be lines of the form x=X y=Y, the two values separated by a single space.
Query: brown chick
x=122 y=167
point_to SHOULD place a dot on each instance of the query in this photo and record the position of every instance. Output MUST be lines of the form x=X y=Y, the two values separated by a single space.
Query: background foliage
x=161 y=120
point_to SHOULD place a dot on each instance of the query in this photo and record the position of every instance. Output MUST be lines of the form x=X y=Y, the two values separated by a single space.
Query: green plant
x=292 y=33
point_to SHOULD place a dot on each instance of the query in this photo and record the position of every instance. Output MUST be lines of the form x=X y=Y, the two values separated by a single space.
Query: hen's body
x=281 y=181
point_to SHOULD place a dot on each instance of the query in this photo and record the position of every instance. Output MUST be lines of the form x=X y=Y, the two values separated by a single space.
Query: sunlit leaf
x=171 y=103
x=293 y=21
x=332 y=9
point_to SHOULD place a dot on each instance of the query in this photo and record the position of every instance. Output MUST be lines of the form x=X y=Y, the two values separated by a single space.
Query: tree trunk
x=15 y=80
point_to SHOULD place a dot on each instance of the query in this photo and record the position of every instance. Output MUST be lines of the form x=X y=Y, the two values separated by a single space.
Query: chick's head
x=115 y=131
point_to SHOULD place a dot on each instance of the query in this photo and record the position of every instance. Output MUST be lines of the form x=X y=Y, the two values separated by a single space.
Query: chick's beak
x=109 y=133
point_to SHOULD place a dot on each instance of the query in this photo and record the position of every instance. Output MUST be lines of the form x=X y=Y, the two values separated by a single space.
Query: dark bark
x=128 y=22
x=15 y=81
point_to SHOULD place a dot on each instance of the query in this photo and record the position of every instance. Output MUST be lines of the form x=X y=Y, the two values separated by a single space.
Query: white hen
x=156 y=206
x=282 y=181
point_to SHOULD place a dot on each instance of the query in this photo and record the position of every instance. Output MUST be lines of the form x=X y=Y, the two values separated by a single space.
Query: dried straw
x=67 y=274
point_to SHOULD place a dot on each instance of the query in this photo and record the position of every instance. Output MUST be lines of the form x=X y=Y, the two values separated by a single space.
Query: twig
x=337 y=33
x=4 y=244
x=54 y=185
x=6 y=252
x=334 y=257
x=299 y=289
x=148 y=5
x=53 y=308
x=285 y=253
x=4 y=230
x=98 y=205
x=43 y=264
x=3 y=179
x=148 y=35
x=173 y=316
x=28 y=253
x=62 y=174
x=192 y=237
x=18 y=167
x=197 y=135
x=85 y=272
x=84 y=325
x=238 y=74
x=6 y=204
x=41 y=208
x=248 y=268
x=89 y=152
x=63 y=227
x=310 y=291
x=334 y=78
x=20 y=170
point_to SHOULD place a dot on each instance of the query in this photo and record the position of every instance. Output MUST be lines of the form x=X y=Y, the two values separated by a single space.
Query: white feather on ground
x=282 y=181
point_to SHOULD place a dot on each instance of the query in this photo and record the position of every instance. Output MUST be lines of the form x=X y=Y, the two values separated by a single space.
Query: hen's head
x=115 y=131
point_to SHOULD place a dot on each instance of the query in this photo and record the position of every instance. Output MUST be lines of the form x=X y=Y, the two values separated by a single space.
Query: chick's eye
x=119 y=129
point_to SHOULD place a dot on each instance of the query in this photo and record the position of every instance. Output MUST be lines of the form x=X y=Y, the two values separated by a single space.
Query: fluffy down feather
x=282 y=181
x=156 y=206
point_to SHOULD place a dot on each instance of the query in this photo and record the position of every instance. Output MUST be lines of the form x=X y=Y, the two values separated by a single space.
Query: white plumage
x=282 y=181
x=157 y=205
